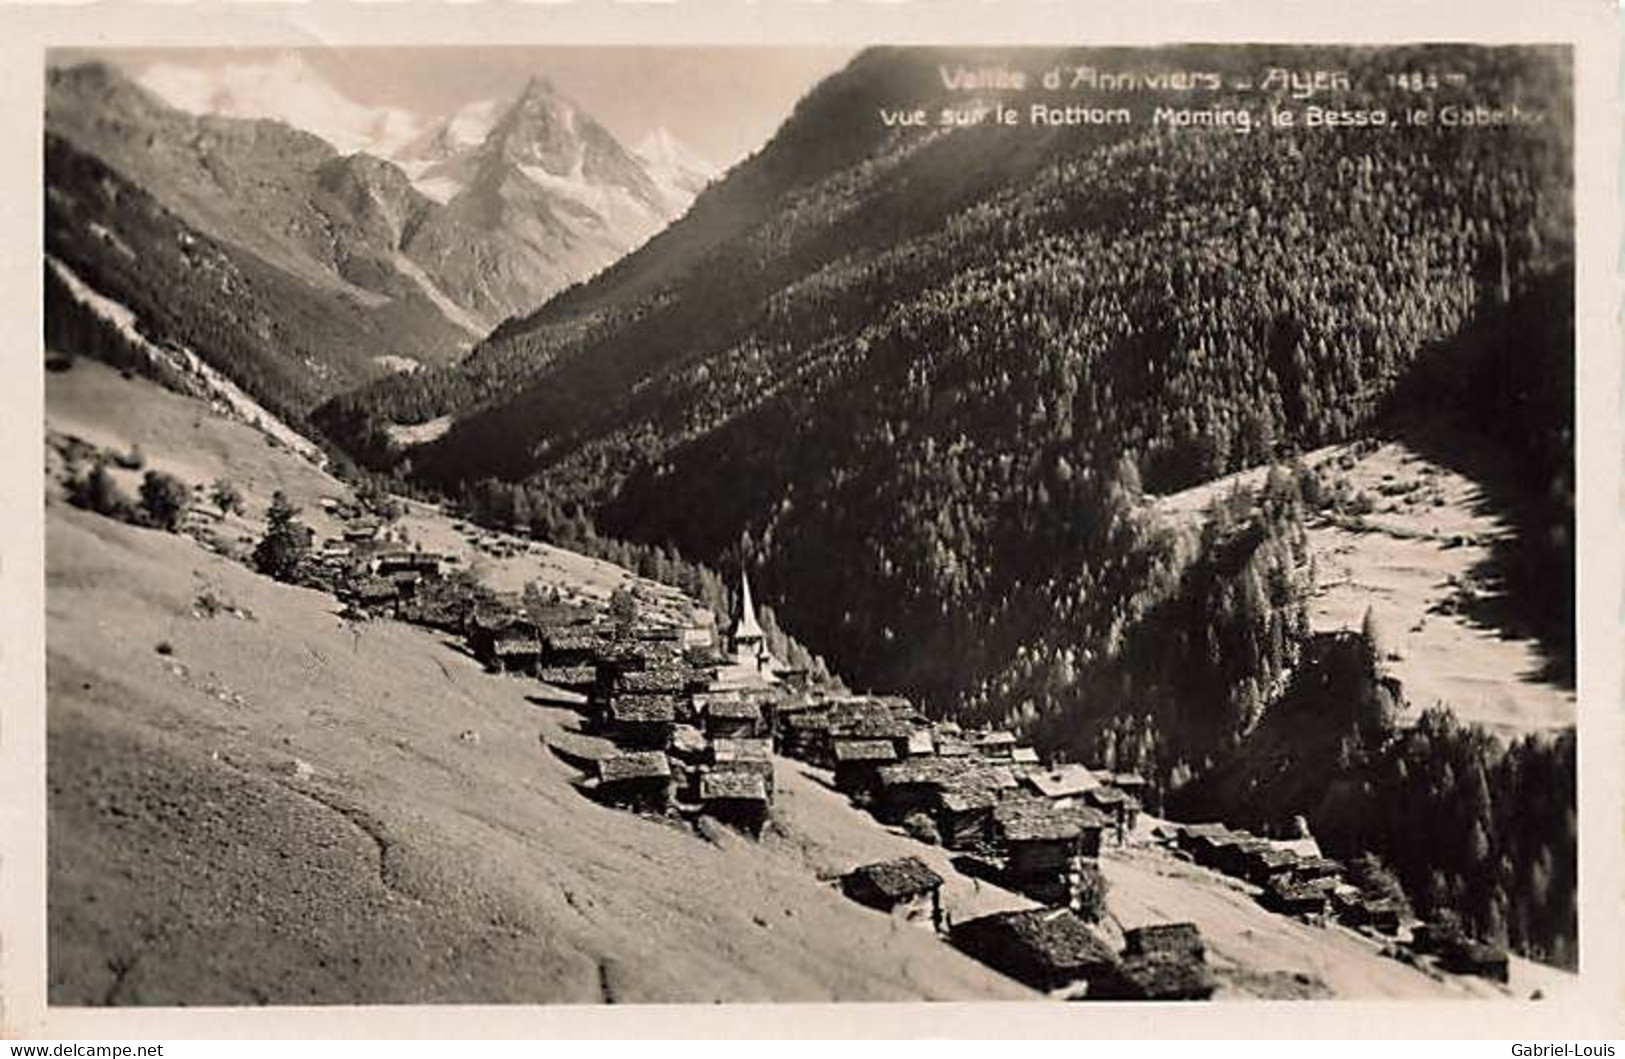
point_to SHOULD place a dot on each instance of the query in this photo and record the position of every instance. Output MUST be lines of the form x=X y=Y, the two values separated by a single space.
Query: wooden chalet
x=905 y=886
x=1130 y=783
x=1025 y=759
x=1309 y=869
x=804 y=734
x=996 y=746
x=737 y=798
x=1270 y=862
x=573 y=644
x=868 y=720
x=640 y=720
x=1165 y=939
x=730 y=715
x=1283 y=895
x=374 y=593
x=921 y=744
x=965 y=816
x=914 y=785
x=858 y=761
x=663 y=680
x=639 y=780
x=1156 y=978
x=423 y=564
x=1044 y=846
x=1381 y=914
x=1061 y=785
x=1047 y=948
x=744 y=755
x=1234 y=856
x=1114 y=805
x=516 y=651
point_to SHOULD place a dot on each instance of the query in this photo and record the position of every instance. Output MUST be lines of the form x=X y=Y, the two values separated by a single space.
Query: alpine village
x=526 y=671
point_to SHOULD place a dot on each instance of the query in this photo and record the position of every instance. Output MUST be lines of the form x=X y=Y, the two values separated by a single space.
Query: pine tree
x=286 y=543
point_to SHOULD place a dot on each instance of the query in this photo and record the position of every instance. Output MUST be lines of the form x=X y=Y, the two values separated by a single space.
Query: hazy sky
x=722 y=101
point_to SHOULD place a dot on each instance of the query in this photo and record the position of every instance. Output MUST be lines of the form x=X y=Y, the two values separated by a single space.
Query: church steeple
x=747 y=631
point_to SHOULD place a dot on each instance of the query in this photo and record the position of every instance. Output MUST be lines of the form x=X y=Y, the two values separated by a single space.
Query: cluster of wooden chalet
x=695 y=728
x=1313 y=888
x=692 y=724
x=977 y=793
x=1309 y=886
x=1050 y=949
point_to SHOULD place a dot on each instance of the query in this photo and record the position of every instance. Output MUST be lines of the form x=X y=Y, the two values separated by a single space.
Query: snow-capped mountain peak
x=285 y=88
x=676 y=169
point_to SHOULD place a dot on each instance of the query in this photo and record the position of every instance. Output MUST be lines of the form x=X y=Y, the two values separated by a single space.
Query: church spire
x=747 y=629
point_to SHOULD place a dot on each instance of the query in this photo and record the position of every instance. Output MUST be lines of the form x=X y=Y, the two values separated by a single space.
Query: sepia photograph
x=590 y=524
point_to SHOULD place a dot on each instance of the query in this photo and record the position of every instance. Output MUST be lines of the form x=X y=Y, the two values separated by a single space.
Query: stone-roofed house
x=1044 y=846
x=729 y=715
x=1048 y=949
x=857 y=762
x=640 y=720
x=745 y=755
x=1062 y=784
x=996 y=745
x=1162 y=939
x=905 y=886
x=737 y=798
x=1156 y=978
x=639 y=780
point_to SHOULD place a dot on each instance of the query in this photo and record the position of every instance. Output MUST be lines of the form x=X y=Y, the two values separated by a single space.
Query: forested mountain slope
x=302 y=272
x=917 y=378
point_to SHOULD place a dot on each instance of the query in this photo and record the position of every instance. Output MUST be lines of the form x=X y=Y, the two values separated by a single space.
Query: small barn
x=641 y=720
x=804 y=734
x=727 y=715
x=736 y=798
x=1060 y=784
x=965 y=816
x=858 y=762
x=913 y=786
x=996 y=746
x=1283 y=895
x=920 y=743
x=1114 y=804
x=905 y=885
x=1165 y=977
x=639 y=780
x=1183 y=940
x=1270 y=862
x=1309 y=869
x=1046 y=948
x=516 y=651
x=745 y=755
